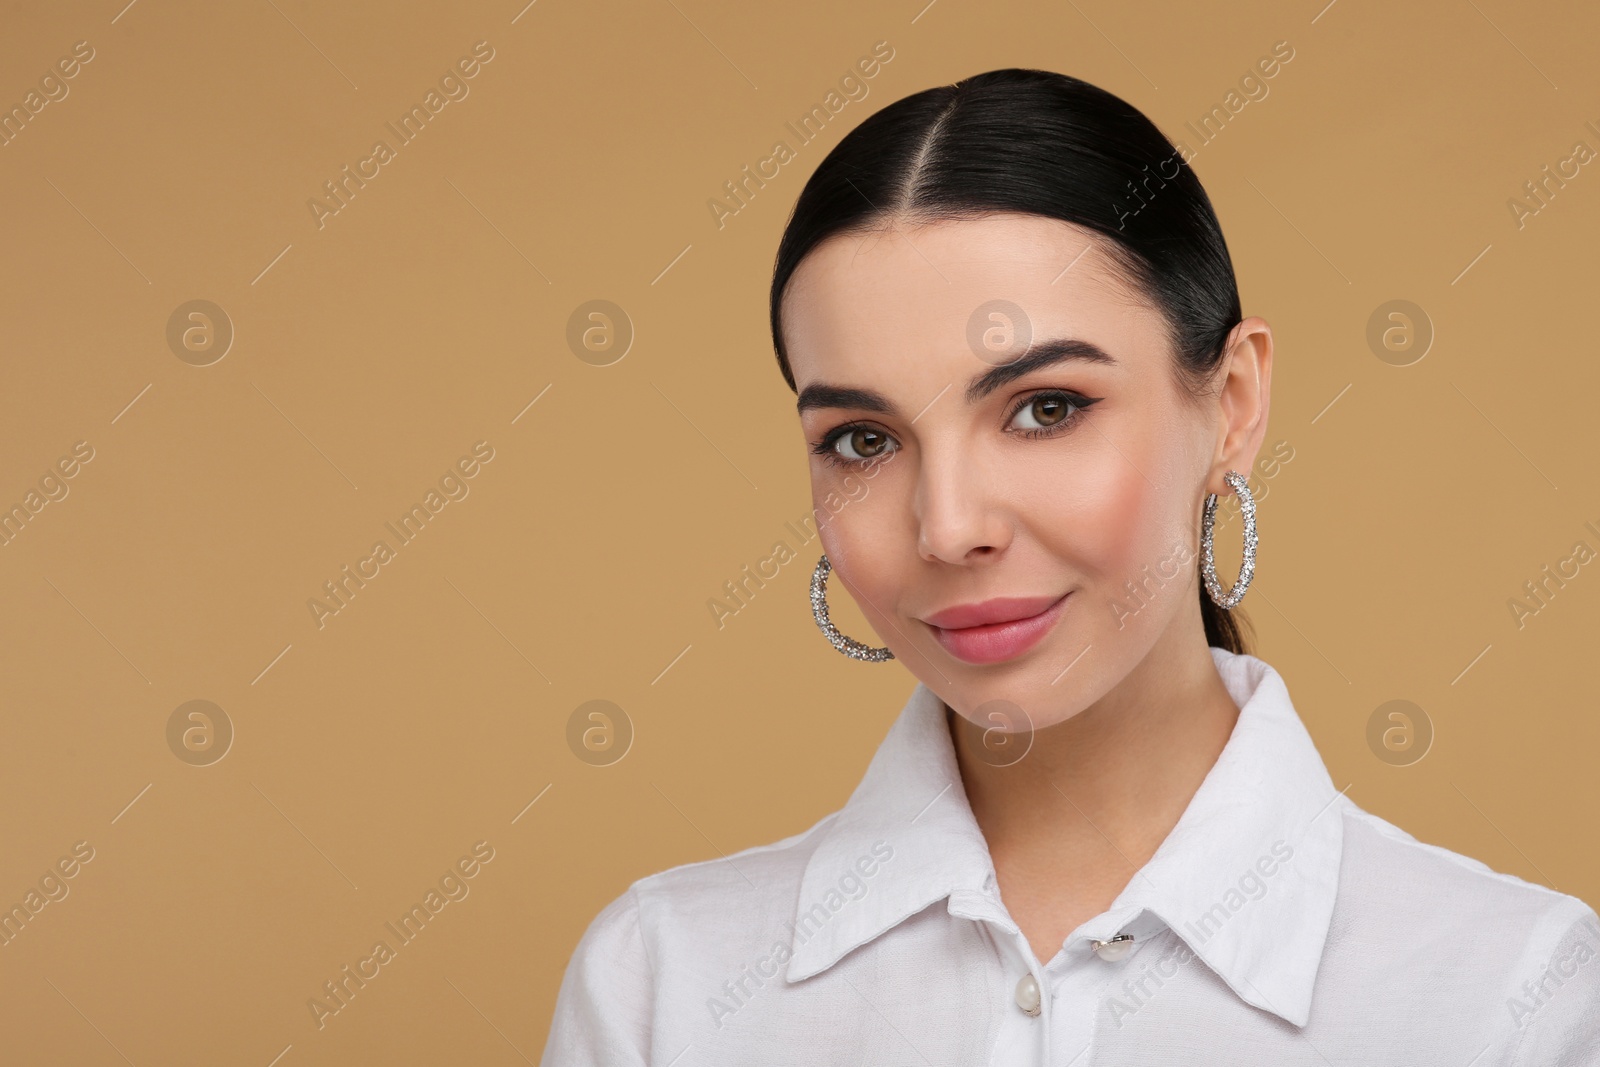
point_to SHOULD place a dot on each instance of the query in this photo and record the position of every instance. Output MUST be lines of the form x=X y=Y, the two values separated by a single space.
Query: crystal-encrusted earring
x=1208 y=566
x=819 y=609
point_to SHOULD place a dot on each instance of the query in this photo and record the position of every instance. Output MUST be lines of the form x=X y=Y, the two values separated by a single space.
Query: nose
x=959 y=513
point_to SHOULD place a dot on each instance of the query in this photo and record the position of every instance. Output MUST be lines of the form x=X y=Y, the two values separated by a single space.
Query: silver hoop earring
x=819 y=609
x=1208 y=565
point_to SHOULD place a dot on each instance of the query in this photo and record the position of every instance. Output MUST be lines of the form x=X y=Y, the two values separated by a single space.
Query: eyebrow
x=1039 y=355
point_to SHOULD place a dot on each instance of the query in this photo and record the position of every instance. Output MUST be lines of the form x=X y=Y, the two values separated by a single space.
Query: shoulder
x=603 y=1008
x=702 y=906
x=1526 y=953
x=772 y=870
x=1382 y=860
x=747 y=883
x=666 y=938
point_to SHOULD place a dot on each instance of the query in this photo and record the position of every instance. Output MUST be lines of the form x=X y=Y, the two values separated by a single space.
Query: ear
x=1246 y=394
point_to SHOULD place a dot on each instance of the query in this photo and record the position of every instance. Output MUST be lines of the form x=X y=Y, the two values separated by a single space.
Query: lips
x=995 y=630
x=1000 y=609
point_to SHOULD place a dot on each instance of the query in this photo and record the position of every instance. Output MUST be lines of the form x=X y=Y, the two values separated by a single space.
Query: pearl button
x=1114 y=949
x=1028 y=994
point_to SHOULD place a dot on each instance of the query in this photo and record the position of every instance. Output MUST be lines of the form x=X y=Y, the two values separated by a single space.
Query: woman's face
x=956 y=465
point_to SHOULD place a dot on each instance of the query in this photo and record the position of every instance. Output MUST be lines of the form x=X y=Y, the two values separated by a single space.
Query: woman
x=1098 y=832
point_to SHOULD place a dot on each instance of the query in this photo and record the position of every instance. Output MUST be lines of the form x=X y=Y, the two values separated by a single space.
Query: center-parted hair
x=1041 y=143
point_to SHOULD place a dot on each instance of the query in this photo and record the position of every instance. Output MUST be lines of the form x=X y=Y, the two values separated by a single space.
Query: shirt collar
x=1247 y=878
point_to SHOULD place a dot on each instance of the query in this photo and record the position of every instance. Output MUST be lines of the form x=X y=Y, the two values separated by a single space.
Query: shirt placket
x=1081 y=980
x=1021 y=1040
x=1070 y=988
x=1076 y=981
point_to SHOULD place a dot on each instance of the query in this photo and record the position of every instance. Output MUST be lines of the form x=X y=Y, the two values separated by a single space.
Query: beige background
x=371 y=353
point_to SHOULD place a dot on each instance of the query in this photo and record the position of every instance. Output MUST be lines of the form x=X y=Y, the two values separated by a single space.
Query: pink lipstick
x=995 y=630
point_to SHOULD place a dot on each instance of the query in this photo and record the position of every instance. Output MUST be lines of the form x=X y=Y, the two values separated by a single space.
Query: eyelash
x=1080 y=406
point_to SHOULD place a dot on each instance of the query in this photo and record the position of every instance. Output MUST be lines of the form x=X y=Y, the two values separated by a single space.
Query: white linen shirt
x=1278 y=923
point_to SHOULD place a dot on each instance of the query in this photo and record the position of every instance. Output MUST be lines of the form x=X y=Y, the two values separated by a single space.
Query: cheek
x=857 y=529
x=1117 y=515
x=1122 y=522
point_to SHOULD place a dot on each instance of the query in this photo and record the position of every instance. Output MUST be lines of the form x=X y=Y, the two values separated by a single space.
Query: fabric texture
x=1278 y=923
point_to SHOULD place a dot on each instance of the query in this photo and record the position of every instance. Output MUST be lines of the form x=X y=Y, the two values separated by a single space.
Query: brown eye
x=1044 y=411
x=865 y=443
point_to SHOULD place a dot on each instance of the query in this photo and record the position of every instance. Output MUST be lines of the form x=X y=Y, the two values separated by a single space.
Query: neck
x=1096 y=795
